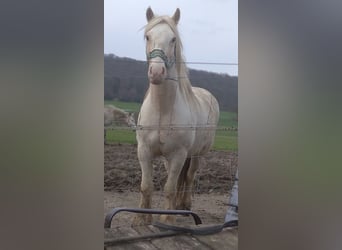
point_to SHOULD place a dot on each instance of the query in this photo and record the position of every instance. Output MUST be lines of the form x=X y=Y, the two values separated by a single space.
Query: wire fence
x=213 y=180
x=173 y=128
x=187 y=62
x=234 y=64
x=116 y=141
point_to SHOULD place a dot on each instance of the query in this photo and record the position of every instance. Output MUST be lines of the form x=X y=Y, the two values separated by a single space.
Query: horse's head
x=161 y=45
x=130 y=120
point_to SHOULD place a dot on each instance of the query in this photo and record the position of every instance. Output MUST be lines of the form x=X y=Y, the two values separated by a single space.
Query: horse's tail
x=181 y=184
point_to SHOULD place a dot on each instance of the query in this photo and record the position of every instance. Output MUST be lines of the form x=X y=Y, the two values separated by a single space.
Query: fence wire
x=173 y=128
x=188 y=62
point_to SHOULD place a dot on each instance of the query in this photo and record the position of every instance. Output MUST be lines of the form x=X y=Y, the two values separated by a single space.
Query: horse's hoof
x=183 y=207
x=168 y=219
x=142 y=219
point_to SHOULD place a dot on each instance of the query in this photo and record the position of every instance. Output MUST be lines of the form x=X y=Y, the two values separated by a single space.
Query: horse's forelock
x=164 y=19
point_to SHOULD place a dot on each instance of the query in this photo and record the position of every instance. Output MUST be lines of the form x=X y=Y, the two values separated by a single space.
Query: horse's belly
x=204 y=141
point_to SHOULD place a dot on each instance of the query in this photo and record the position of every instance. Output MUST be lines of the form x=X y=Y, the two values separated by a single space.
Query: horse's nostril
x=151 y=70
x=163 y=70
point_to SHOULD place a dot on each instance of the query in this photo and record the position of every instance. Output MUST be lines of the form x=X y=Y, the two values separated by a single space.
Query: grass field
x=224 y=140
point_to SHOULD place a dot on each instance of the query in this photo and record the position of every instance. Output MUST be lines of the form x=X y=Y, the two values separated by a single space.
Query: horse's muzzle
x=156 y=73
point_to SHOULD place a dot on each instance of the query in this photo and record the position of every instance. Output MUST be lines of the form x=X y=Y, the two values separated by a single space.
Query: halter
x=160 y=53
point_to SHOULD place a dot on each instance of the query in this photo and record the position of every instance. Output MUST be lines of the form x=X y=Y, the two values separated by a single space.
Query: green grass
x=224 y=140
x=228 y=119
x=121 y=135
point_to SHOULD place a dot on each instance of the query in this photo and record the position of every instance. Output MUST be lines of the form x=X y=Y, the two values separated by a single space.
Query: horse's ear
x=149 y=14
x=176 y=16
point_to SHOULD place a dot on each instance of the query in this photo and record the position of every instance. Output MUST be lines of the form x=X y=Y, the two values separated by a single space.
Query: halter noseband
x=160 y=53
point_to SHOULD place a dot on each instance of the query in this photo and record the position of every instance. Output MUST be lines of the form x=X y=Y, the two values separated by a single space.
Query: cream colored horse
x=176 y=121
x=114 y=116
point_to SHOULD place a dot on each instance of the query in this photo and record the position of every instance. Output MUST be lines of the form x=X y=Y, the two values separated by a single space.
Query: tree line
x=125 y=79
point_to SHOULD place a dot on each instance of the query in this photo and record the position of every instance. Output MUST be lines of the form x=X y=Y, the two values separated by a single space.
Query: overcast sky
x=208 y=29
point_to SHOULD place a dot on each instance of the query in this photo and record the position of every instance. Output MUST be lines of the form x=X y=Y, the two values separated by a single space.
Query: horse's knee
x=146 y=188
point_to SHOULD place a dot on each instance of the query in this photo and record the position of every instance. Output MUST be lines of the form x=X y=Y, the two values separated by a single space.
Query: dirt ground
x=122 y=178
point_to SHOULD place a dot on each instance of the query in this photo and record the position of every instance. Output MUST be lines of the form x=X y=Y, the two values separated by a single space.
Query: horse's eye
x=173 y=40
x=147 y=38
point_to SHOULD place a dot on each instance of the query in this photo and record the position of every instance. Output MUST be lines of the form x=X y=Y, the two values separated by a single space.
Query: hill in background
x=126 y=80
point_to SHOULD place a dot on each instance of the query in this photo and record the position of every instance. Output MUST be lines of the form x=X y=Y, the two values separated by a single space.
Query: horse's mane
x=183 y=79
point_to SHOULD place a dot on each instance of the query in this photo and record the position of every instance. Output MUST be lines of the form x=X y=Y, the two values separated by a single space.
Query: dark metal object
x=231 y=218
x=109 y=216
x=197 y=231
x=233 y=205
x=112 y=242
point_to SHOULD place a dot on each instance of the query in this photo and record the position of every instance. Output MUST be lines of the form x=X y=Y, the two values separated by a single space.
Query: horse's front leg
x=146 y=187
x=175 y=164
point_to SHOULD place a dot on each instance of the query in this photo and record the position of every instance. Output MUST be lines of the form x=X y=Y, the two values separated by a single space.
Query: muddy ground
x=122 y=176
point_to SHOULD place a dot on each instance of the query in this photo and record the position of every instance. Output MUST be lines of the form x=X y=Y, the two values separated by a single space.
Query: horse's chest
x=161 y=136
x=162 y=140
x=162 y=129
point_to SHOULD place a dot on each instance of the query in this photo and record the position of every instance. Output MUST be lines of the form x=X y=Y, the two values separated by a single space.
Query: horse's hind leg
x=181 y=185
x=146 y=187
x=189 y=182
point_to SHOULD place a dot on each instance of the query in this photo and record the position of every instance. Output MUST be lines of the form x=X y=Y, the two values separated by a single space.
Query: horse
x=114 y=116
x=176 y=122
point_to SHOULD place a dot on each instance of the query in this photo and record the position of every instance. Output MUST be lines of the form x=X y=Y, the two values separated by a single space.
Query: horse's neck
x=119 y=115
x=163 y=96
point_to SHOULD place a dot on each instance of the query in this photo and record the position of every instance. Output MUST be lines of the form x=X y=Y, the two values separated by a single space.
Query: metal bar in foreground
x=110 y=215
